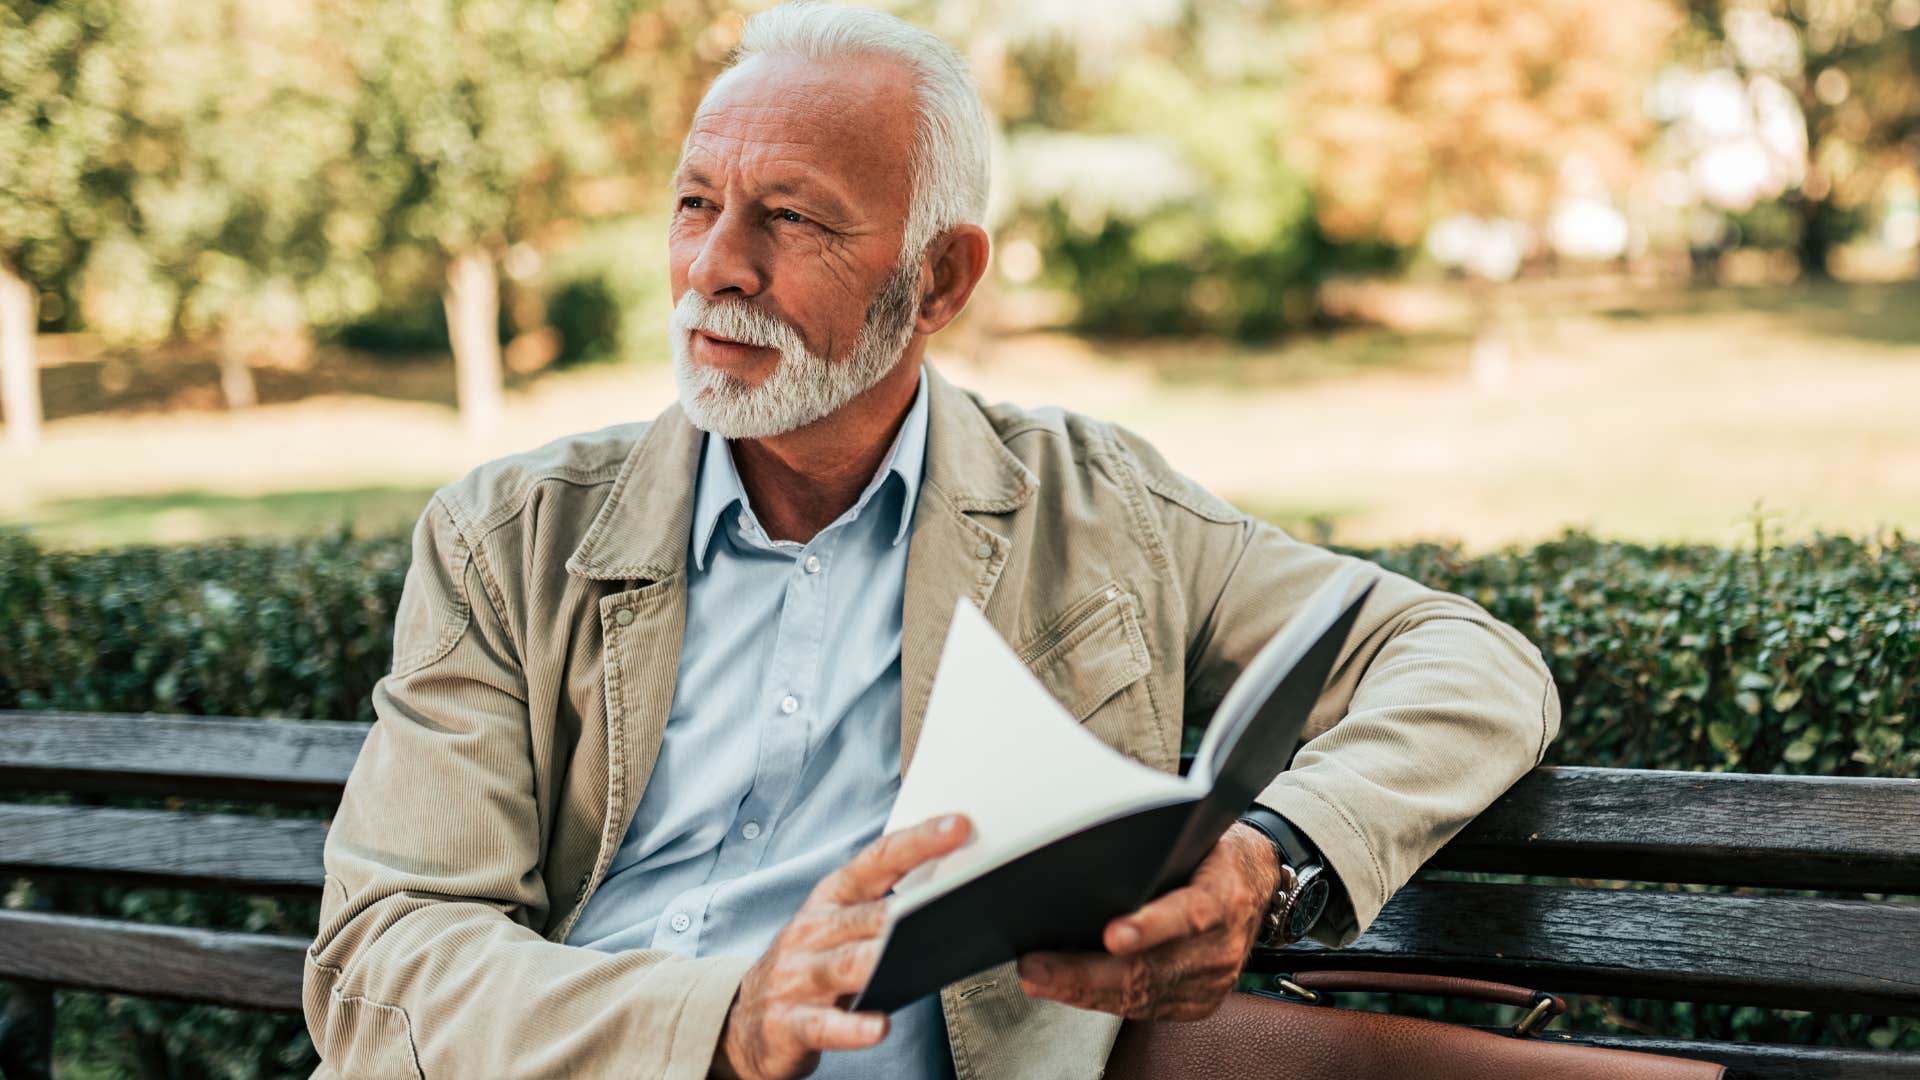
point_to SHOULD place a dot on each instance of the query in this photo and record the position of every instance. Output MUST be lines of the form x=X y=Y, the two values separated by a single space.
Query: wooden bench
x=1604 y=827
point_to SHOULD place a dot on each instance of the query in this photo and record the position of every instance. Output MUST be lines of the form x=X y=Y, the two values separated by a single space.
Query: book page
x=998 y=748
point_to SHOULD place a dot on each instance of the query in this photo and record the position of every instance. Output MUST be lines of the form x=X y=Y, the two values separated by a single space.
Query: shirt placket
x=789 y=705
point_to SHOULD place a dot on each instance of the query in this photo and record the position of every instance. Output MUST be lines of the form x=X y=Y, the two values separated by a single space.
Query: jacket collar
x=642 y=529
x=966 y=461
x=641 y=532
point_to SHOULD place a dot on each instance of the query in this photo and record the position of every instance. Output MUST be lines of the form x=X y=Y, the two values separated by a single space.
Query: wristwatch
x=1305 y=883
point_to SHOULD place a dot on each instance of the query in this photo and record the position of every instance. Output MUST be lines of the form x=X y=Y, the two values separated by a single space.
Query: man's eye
x=789 y=215
x=693 y=202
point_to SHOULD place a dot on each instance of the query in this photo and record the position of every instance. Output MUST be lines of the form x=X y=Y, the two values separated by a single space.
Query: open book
x=1069 y=833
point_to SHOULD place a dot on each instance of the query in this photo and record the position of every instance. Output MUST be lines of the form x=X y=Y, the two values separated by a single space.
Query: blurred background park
x=1477 y=270
x=1607 y=316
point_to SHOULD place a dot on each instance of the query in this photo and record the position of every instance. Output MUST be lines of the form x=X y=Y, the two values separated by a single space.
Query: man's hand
x=1178 y=957
x=790 y=1005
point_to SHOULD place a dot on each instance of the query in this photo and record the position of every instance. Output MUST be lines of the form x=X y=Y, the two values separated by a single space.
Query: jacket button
x=985 y=550
x=624 y=616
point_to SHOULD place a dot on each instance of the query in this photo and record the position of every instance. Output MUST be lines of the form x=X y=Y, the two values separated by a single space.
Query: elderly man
x=654 y=687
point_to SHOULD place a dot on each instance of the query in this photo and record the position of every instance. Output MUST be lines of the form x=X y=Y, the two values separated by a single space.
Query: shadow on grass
x=187 y=516
x=1305 y=358
x=1881 y=314
x=185 y=376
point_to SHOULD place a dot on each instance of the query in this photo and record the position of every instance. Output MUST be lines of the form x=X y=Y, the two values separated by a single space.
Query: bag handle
x=1312 y=987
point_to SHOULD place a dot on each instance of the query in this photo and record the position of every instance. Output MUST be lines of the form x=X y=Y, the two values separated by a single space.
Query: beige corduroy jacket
x=534 y=660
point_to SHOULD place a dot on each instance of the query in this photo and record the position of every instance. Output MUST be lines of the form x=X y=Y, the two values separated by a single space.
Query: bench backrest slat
x=267 y=760
x=1785 y=952
x=163 y=847
x=1802 y=832
x=254 y=971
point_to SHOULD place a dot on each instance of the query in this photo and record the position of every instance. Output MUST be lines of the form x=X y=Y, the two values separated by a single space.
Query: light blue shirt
x=781 y=757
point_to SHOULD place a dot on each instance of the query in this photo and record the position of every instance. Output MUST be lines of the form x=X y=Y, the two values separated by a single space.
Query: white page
x=998 y=748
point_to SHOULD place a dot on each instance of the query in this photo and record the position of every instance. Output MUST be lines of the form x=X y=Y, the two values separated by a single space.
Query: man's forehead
x=795 y=116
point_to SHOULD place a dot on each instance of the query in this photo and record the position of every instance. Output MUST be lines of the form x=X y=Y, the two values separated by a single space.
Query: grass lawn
x=174 y=516
x=1664 y=415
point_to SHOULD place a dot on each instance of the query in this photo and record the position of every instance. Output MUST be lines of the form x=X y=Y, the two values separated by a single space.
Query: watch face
x=1308 y=906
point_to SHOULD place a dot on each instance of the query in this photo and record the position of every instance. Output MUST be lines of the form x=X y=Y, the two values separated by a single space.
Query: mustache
x=893 y=307
x=735 y=320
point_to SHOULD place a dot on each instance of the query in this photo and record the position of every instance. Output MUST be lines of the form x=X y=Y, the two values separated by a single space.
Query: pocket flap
x=1090 y=653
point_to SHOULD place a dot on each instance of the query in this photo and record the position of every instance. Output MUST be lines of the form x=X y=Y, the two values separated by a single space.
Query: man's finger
x=840 y=924
x=845 y=968
x=1088 y=981
x=885 y=861
x=822 y=1027
x=1183 y=913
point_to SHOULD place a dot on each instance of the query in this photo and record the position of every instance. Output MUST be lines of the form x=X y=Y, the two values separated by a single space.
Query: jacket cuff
x=696 y=1037
x=1362 y=893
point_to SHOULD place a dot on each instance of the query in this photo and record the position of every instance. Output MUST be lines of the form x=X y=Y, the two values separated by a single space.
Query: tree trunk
x=236 y=373
x=19 y=378
x=1820 y=229
x=473 y=329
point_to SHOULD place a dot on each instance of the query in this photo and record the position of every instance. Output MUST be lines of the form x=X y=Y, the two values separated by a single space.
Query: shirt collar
x=718 y=486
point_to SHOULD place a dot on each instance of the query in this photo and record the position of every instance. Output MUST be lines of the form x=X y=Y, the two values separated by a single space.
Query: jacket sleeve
x=1434 y=709
x=428 y=961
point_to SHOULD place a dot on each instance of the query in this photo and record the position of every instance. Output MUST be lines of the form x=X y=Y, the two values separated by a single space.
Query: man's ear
x=956 y=261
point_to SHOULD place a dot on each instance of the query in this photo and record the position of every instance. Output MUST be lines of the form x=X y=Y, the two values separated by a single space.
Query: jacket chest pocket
x=1093 y=659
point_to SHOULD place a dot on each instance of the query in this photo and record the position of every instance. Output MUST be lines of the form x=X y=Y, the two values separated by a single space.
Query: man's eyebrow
x=808 y=189
x=801 y=187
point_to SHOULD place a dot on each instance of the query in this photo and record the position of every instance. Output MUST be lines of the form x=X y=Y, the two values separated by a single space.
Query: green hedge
x=1801 y=658
x=290 y=629
x=1792 y=658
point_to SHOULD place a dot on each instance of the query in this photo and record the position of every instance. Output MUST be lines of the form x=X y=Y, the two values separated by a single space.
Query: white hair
x=950 y=153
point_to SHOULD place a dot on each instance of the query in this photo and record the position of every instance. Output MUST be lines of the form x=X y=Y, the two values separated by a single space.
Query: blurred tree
x=496 y=120
x=60 y=100
x=247 y=214
x=1414 y=110
x=1144 y=172
x=1853 y=67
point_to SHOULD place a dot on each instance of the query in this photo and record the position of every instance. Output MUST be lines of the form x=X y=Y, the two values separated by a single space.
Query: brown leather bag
x=1253 y=1035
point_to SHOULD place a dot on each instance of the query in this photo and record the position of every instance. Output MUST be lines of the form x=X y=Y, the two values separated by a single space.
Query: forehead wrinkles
x=847 y=121
x=749 y=123
x=772 y=143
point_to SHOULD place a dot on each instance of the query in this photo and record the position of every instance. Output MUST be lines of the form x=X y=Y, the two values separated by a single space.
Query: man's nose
x=728 y=263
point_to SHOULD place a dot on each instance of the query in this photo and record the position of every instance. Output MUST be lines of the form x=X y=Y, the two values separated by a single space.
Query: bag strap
x=1312 y=987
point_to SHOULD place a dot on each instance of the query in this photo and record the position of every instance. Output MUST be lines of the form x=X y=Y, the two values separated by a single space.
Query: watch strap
x=1300 y=896
x=1294 y=848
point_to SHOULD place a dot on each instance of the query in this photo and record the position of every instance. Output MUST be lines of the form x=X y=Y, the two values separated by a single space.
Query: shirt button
x=751 y=830
x=985 y=550
x=789 y=704
x=680 y=922
x=812 y=564
x=624 y=617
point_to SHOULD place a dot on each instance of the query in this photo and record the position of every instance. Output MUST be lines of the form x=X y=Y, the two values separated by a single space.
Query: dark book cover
x=1061 y=895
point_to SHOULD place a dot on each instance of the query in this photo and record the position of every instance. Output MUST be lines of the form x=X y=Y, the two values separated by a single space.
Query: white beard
x=803 y=387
